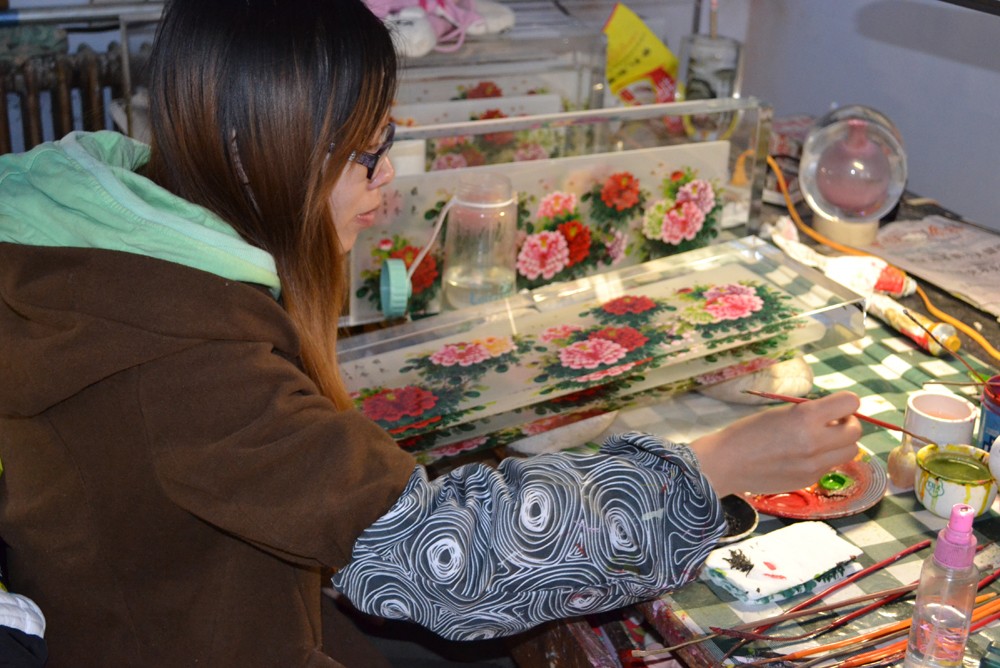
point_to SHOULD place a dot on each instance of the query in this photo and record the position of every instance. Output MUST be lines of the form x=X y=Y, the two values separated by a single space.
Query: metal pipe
x=83 y=13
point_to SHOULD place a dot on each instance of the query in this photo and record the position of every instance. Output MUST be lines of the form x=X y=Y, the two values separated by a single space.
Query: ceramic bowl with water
x=953 y=473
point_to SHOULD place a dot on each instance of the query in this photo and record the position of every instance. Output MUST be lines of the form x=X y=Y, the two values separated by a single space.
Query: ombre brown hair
x=246 y=99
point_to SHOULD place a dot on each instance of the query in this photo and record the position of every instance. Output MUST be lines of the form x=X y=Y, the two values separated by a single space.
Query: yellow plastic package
x=640 y=68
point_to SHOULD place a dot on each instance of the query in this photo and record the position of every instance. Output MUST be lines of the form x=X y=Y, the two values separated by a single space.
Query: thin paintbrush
x=850 y=579
x=739 y=631
x=964 y=383
x=777 y=619
x=865 y=418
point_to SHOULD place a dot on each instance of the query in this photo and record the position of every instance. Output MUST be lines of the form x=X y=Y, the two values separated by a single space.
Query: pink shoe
x=382 y=8
x=451 y=20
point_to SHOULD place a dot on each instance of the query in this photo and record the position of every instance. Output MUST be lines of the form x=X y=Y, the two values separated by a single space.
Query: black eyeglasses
x=372 y=161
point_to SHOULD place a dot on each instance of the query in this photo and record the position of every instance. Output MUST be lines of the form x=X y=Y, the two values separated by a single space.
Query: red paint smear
x=815 y=502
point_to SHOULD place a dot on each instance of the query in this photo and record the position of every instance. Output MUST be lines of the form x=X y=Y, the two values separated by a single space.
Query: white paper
x=959 y=258
x=778 y=564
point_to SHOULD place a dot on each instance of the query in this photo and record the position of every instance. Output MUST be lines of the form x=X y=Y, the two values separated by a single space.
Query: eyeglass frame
x=369 y=160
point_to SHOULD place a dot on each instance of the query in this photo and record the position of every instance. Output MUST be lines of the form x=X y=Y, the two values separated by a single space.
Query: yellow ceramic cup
x=953 y=473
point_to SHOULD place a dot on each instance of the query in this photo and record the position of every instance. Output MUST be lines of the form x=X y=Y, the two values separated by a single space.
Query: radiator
x=44 y=97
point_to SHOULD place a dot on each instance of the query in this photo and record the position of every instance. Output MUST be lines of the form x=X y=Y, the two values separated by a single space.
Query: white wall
x=932 y=67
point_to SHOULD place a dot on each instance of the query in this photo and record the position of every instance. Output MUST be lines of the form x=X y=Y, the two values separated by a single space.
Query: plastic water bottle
x=945 y=596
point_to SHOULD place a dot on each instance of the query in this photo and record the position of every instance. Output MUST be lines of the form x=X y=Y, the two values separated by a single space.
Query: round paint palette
x=846 y=490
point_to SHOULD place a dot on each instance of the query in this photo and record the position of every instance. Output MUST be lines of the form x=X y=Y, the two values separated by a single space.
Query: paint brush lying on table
x=863 y=418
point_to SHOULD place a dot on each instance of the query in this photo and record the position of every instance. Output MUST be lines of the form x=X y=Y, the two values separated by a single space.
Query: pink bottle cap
x=956 y=545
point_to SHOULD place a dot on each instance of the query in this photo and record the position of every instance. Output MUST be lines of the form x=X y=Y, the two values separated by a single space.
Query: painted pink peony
x=725 y=289
x=449 y=161
x=734 y=306
x=462 y=354
x=591 y=354
x=616 y=247
x=558 y=332
x=682 y=223
x=544 y=254
x=556 y=204
x=700 y=193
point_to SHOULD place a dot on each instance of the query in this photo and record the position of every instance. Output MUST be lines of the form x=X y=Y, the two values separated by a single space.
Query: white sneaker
x=496 y=18
x=411 y=32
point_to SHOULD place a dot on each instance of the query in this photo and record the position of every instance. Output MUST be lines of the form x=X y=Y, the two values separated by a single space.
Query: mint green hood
x=82 y=192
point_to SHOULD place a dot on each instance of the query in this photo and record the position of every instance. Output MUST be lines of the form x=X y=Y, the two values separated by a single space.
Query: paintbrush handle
x=778 y=619
x=864 y=418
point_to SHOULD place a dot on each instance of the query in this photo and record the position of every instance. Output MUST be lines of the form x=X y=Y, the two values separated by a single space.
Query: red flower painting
x=394 y=404
x=577 y=239
x=629 y=304
x=425 y=273
x=483 y=89
x=620 y=191
x=627 y=337
x=496 y=138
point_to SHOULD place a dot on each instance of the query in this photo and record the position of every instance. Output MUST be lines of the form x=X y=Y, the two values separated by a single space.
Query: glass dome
x=853 y=166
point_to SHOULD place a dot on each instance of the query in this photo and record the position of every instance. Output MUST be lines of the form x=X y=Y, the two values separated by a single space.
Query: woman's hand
x=781 y=449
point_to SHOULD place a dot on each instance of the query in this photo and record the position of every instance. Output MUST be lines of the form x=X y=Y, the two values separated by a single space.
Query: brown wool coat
x=174 y=491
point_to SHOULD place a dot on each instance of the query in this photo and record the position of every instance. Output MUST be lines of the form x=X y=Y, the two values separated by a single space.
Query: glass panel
x=628 y=182
x=584 y=346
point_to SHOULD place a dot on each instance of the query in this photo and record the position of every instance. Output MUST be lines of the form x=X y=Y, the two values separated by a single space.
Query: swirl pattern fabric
x=484 y=552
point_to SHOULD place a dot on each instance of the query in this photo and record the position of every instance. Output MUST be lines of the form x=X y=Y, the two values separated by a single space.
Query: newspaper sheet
x=957 y=257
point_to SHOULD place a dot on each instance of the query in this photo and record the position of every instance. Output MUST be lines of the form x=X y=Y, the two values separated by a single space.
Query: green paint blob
x=957 y=467
x=835 y=481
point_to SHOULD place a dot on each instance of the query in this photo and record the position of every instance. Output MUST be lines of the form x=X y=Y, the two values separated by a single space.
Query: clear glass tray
x=493 y=373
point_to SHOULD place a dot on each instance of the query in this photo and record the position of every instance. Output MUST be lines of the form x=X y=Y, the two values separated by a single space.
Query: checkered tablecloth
x=883 y=368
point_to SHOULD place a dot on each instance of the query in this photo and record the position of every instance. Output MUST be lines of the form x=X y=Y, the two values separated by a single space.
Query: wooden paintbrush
x=864 y=418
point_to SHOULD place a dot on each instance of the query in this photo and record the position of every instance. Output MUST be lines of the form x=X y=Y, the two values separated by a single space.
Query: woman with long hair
x=183 y=471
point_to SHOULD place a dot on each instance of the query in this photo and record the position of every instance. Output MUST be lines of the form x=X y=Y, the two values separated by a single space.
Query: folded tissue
x=781 y=564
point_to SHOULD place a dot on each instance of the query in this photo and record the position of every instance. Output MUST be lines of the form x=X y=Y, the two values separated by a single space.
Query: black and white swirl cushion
x=484 y=552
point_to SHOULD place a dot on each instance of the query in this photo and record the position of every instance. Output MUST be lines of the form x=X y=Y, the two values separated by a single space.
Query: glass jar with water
x=479 y=240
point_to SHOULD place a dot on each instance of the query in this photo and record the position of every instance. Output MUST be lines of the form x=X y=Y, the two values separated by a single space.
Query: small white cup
x=942 y=418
